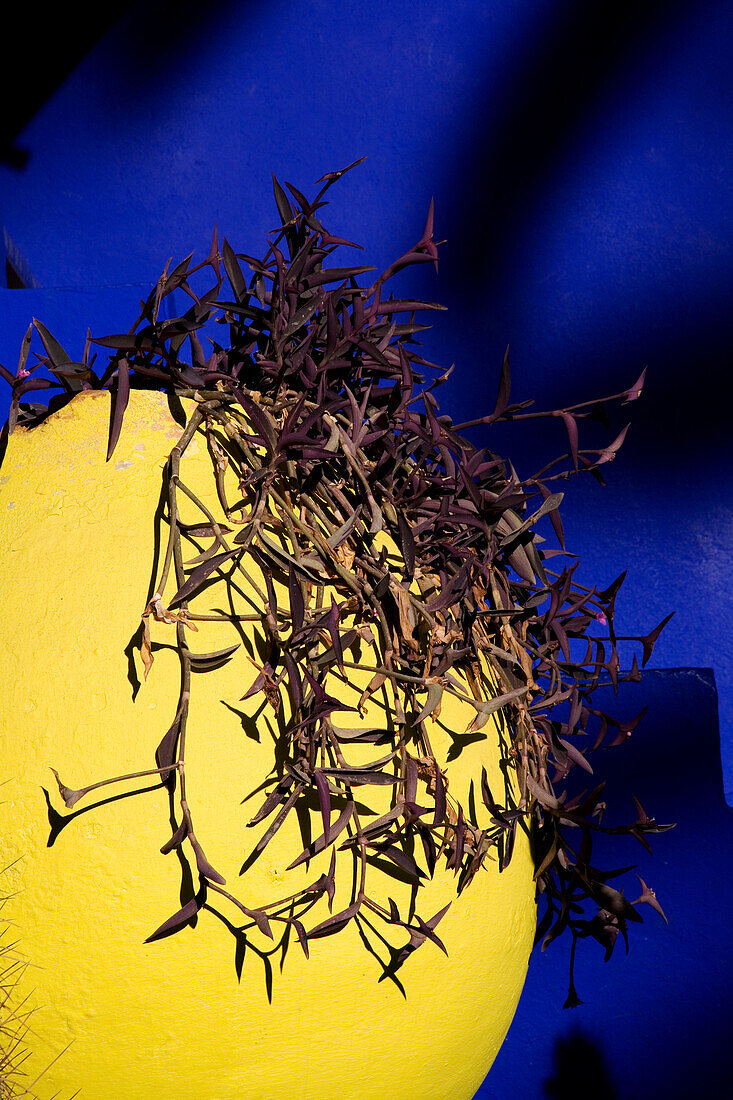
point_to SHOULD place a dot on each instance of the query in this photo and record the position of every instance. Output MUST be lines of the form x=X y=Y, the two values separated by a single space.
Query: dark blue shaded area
x=655 y=1026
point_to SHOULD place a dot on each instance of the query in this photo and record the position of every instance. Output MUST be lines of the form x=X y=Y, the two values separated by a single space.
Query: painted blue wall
x=579 y=156
x=655 y=1025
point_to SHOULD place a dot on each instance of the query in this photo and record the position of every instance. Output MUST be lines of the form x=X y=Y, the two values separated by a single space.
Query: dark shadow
x=303 y=812
x=131 y=648
x=188 y=886
x=390 y=968
x=666 y=780
x=242 y=943
x=580 y=1071
x=137 y=637
x=460 y=741
x=661 y=1017
x=255 y=854
x=188 y=889
x=678 y=402
x=57 y=41
x=249 y=724
x=58 y=821
x=14 y=156
x=175 y=408
x=154 y=37
x=554 y=92
x=390 y=870
x=501 y=175
x=166 y=28
x=306 y=805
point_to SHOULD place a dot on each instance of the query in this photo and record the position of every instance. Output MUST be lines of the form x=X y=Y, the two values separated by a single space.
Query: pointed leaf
x=407 y=544
x=322 y=842
x=177 y=839
x=575 y=755
x=324 y=798
x=120 y=398
x=505 y=384
x=204 y=867
x=199 y=575
x=69 y=796
x=435 y=695
x=335 y=923
x=209 y=662
x=234 y=271
x=297 y=603
x=284 y=208
x=262 y=922
x=182 y=917
x=651 y=638
x=165 y=754
x=58 y=355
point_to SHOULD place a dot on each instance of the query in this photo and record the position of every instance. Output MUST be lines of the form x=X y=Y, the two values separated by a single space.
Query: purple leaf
x=209 y=662
x=165 y=754
x=284 y=208
x=322 y=842
x=401 y=859
x=70 y=797
x=204 y=867
x=575 y=755
x=234 y=271
x=333 y=630
x=199 y=575
x=335 y=923
x=440 y=797
x=324 y=798
x=302 y=936
x=120 y=397
x=407 y=544
x=183 y=917
x=177 y=839
x=650 y=639
x=58 y=355
x=334 y=275
x=634 y=392
x=571 y=426
x=505 y=383
x=260 y=919
x=648 y=897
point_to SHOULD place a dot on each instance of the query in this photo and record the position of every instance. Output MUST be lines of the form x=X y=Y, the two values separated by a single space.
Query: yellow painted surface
x=113 y=1016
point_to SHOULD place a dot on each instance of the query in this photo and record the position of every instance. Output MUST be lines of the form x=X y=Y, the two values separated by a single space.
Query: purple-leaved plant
x=327 y=401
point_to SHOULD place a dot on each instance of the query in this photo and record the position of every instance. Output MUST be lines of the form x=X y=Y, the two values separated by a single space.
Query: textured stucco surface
x=149 y=1021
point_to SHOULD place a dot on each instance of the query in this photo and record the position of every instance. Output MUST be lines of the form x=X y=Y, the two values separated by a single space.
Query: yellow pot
x=187 y=1016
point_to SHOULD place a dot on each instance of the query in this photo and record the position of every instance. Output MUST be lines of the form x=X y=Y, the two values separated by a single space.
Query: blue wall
x=579 y=157
x=655 y=1025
